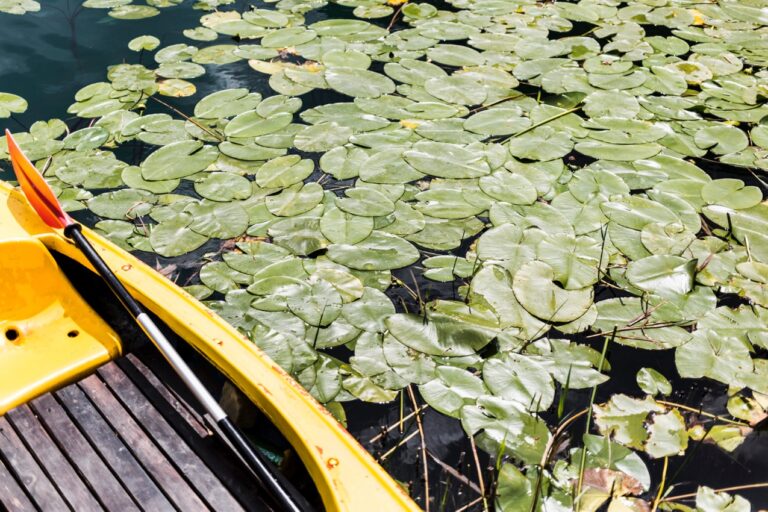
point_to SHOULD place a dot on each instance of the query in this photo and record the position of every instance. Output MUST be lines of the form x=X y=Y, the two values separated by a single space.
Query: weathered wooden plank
x=146 y=452
x=12 y=496
x=81 y=454
x=113 y=450
x=210 y=449
x=28 y=472
x=48 y=455
x=173 y=441
x=189 y=415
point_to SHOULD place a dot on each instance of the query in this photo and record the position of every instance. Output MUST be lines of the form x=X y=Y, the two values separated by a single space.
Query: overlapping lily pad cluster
x=529 y=153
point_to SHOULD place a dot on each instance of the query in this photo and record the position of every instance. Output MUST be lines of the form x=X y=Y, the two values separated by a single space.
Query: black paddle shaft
x=280 y=490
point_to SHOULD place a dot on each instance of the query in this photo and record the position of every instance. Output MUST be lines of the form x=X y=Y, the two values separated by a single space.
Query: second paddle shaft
x=270 y=478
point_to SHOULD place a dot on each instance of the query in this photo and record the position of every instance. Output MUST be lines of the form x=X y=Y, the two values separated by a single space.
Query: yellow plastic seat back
x=49 y=336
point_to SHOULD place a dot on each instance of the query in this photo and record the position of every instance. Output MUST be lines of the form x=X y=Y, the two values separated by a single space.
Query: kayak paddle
x=43 y=200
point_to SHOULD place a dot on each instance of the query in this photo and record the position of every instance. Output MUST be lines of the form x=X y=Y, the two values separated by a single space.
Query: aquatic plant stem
x=186 y=117
x=455 y=474
x=564 y=425
x=690 y=495
x=480 y=481
x=498 y=102
x=541 y=123
x=660 y=492
x=583 y=461
x=702 y=413
x=26 y=128
x=402 y=410
x=423 y=448
x=398 y=445
x=390 y=427
x=469 y=505
x=394 y=17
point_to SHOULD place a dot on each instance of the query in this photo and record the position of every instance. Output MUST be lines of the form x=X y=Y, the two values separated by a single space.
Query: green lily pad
x=11 y=104
x=223 y=186
x=731 y=193
x=543 y=143
x=447 y=160
x=320 y=306
x=143 y=43
x=721 y=139
x=451 y=390
x=458 y=89
x=178 y=160
x=322 y=137
x=509 y=187
x=520 y=379
x=503 y=426
x=122 y=204
x=19 y=7
x=174 y=238
x=295 y=200
x=668 y=435
x=497 y=121
x=663 y=275
x=131 y=176
x=284 y=171
x=358 y=83
x=379 y=251
x=251 y=124
x=370 y=311
x=537 y=292
x=441 y=338
x=133 y=12
x=653 y=382
x=217 y=220
x=227 y=103
x=365 y=202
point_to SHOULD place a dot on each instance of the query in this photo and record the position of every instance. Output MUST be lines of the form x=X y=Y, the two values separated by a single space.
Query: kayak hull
x=347 y=477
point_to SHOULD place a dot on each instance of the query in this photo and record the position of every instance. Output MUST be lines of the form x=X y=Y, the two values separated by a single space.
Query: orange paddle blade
x=38 y=193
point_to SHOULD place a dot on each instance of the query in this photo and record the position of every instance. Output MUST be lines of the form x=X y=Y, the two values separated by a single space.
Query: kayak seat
x=49 y=336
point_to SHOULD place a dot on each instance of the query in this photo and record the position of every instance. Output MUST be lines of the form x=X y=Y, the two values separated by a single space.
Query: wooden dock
x=117 y=440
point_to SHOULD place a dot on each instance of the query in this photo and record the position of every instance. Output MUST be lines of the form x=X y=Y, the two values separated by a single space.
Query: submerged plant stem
x=423 y=448
x=583 y=461
x=660 y=492
x=398 y=423
x=469 y=505
x=480 y=481
x=398 y=445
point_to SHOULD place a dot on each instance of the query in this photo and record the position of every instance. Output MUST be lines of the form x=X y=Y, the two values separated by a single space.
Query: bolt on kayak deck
x=117 y=440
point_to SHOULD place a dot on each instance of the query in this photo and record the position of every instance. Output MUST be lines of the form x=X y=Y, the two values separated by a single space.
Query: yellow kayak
x=75 y=383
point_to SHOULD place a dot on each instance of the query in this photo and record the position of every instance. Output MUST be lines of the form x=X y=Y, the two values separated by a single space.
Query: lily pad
x=453 y=389
x=379 y=251
x=174 y=238
x=537 y=292
x=178 y=160
x=11 y=104
x=284 y=171
x=358 y=83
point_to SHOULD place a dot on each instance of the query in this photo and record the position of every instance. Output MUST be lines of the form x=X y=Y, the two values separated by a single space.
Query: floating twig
x=191 y=120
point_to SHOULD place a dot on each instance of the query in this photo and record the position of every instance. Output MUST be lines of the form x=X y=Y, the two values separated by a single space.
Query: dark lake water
x=47 y=56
